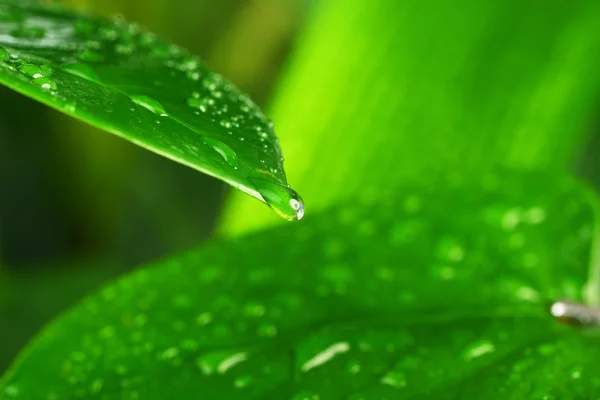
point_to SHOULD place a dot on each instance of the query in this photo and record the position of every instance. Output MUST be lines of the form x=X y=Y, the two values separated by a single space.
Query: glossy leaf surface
x=127 y=81
x=441 y=293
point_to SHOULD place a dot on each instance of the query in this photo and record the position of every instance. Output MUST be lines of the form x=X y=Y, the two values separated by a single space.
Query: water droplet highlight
x=325 y=356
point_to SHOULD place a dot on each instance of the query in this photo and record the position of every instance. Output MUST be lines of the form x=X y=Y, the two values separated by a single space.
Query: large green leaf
x=125 y=80
x=382 y=92
x=442 y=293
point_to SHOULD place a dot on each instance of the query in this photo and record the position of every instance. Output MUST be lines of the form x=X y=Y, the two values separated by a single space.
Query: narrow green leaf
x=127 y=81
x=442 y=293
x=381 y=92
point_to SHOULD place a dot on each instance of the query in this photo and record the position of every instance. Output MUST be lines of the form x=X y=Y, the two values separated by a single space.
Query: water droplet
x=204 y=318
x=169 y=353
x=325 y=356
x=96 y=385
x=223 y=150
x=450 y=249
x=243 y=381
x=32 y=70
x=511 y=219
x=479 y=349
x=254 y=309
x=394 y=378
x=535 y=215
x=353 y=367
x=11 y=391
x=4 y=56
x=82 y=70
x=220 y=362
x=285 y=201
x=149 y=103
x=90 y=56
x=306 y=396
x=45 y=83
x=28 y=32
x=125 y=49
x=267 y=330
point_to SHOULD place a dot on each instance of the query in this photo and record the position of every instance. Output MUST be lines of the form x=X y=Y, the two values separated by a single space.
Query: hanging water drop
x=285 y=201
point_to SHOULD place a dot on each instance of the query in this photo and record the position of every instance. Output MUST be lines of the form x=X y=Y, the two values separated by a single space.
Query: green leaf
x=442 y=293
x=127 y=81
x=379 y=93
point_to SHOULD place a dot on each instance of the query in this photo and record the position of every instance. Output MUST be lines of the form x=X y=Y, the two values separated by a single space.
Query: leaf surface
x=379 y=93
x=127 y=81
x=441 y=293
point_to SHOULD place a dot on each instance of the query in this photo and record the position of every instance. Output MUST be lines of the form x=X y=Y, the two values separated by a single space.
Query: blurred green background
x=79 y=207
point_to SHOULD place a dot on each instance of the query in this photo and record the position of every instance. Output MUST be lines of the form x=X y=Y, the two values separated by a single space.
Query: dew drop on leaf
x=82 y=70
x=90 y=56
x=305 y=396
x=149 y=103
x=45 y=83
x=31 y=70
x=394 y=378
x=223 y=150
x=479 y=349
x=4 y=56
x=285 y=201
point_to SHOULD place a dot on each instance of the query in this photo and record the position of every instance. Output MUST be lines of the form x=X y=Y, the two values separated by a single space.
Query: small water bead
x=4 y=55
x=32 y=70
x=394 y=378
x=479 y=349
x=96 y=385
x=90 y=55
x=219 y=362
x=243 y=381
x=82 y=70
x=197 y=103
x=45 y=83
x=169 y=353
x=326 y=355
x=223 y=150
x=306 y=396
x=11 y=391
x=149 y=103
x=254 y=309
x=125 y=49
x=267 y=330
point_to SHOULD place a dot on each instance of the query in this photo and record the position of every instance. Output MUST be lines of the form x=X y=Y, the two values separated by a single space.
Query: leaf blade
x=258 y=318
x=127 y=81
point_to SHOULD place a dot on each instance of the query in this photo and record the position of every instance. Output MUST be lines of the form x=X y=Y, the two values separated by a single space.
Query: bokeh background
x=79 y=207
